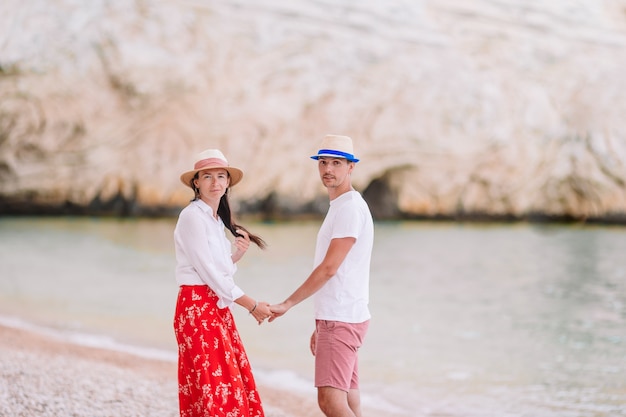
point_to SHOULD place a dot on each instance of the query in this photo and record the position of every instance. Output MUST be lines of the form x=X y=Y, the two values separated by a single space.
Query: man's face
x=334 y=172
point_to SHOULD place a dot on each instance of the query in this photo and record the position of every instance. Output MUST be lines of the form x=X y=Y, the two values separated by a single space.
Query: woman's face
x=212 y=184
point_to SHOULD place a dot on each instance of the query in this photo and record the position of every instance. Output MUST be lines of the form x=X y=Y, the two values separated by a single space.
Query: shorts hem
x=335 y=386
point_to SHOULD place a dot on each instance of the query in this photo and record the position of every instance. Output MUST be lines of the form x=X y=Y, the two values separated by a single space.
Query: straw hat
x=336 y=146
x=212 y=159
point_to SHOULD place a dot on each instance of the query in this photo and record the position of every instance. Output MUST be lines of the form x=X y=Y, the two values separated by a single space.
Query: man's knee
x=354 y=402
x=332 y=401
x=325 y=398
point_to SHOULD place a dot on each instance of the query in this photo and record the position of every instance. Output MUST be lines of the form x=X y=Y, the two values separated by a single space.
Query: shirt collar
x=345 y=196
x=203 y=206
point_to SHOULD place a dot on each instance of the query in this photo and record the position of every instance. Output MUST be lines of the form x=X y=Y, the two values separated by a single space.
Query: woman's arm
x=260 y=310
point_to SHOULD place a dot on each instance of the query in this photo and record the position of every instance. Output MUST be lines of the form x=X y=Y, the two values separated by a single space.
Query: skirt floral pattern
x=214 y=375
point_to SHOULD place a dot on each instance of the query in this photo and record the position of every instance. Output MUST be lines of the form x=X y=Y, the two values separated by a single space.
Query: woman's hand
x=242 y=243
x=261 y=311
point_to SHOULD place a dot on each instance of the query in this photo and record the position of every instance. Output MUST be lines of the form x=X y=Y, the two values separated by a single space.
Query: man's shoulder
x=349 y=198
x=357 y=202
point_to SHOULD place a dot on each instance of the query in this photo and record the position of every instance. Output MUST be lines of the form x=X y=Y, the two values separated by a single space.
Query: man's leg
x=336 y=365
x=354 y=401
x=335 y=403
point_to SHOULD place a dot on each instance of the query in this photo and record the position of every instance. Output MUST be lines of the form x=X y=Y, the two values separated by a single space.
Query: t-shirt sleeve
x=348 y=223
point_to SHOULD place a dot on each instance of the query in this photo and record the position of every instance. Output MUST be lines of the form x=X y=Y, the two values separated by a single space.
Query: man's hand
x=277 y=310
x=313 y=342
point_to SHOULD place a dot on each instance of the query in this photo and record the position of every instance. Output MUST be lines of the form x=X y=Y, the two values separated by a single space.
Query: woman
x=214 y=375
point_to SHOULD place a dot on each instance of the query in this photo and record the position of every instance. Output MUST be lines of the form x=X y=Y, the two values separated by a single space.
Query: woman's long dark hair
x=223 y=210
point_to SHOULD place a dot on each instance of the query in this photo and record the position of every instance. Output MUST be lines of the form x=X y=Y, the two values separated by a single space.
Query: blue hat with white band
x=336 y=146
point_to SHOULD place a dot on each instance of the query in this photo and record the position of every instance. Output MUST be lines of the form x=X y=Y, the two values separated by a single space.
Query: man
x=339 y=282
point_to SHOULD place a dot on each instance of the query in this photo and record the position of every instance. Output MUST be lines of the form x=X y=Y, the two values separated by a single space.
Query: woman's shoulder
x=192 y=210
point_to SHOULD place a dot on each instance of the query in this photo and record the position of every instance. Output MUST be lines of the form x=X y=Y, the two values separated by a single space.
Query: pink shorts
x=336 y=353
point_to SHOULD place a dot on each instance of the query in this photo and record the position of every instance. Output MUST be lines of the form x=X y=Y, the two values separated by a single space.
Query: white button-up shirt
x=203 y=253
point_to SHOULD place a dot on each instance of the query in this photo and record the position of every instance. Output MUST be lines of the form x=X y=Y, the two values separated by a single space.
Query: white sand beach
x=42 y=376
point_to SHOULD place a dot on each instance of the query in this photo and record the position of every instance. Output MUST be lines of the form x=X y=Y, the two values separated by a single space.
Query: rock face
x=457 y=107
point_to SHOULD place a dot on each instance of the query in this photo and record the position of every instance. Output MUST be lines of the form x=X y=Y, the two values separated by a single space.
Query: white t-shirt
x=345 y=296
x=203 y=253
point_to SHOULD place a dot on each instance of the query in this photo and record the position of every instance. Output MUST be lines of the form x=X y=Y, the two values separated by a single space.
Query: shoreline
x=42 y=375
x=609 y=219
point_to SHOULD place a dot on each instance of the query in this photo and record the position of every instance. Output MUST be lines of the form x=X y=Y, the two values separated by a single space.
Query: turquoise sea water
x=468 y=320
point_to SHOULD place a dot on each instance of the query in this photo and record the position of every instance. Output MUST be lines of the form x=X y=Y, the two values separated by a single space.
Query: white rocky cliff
x=508 y=108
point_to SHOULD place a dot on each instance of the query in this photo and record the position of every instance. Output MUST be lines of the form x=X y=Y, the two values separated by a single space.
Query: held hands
x=261 y=311
x=277 y=311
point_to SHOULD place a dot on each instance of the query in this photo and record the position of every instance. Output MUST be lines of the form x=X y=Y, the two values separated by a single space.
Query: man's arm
x=335 y=255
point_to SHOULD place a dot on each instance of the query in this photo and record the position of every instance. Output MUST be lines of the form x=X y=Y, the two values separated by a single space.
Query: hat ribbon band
x=333 y=152
x=210 y=162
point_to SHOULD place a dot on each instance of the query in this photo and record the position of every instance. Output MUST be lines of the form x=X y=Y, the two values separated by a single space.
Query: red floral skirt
x=214 y=375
